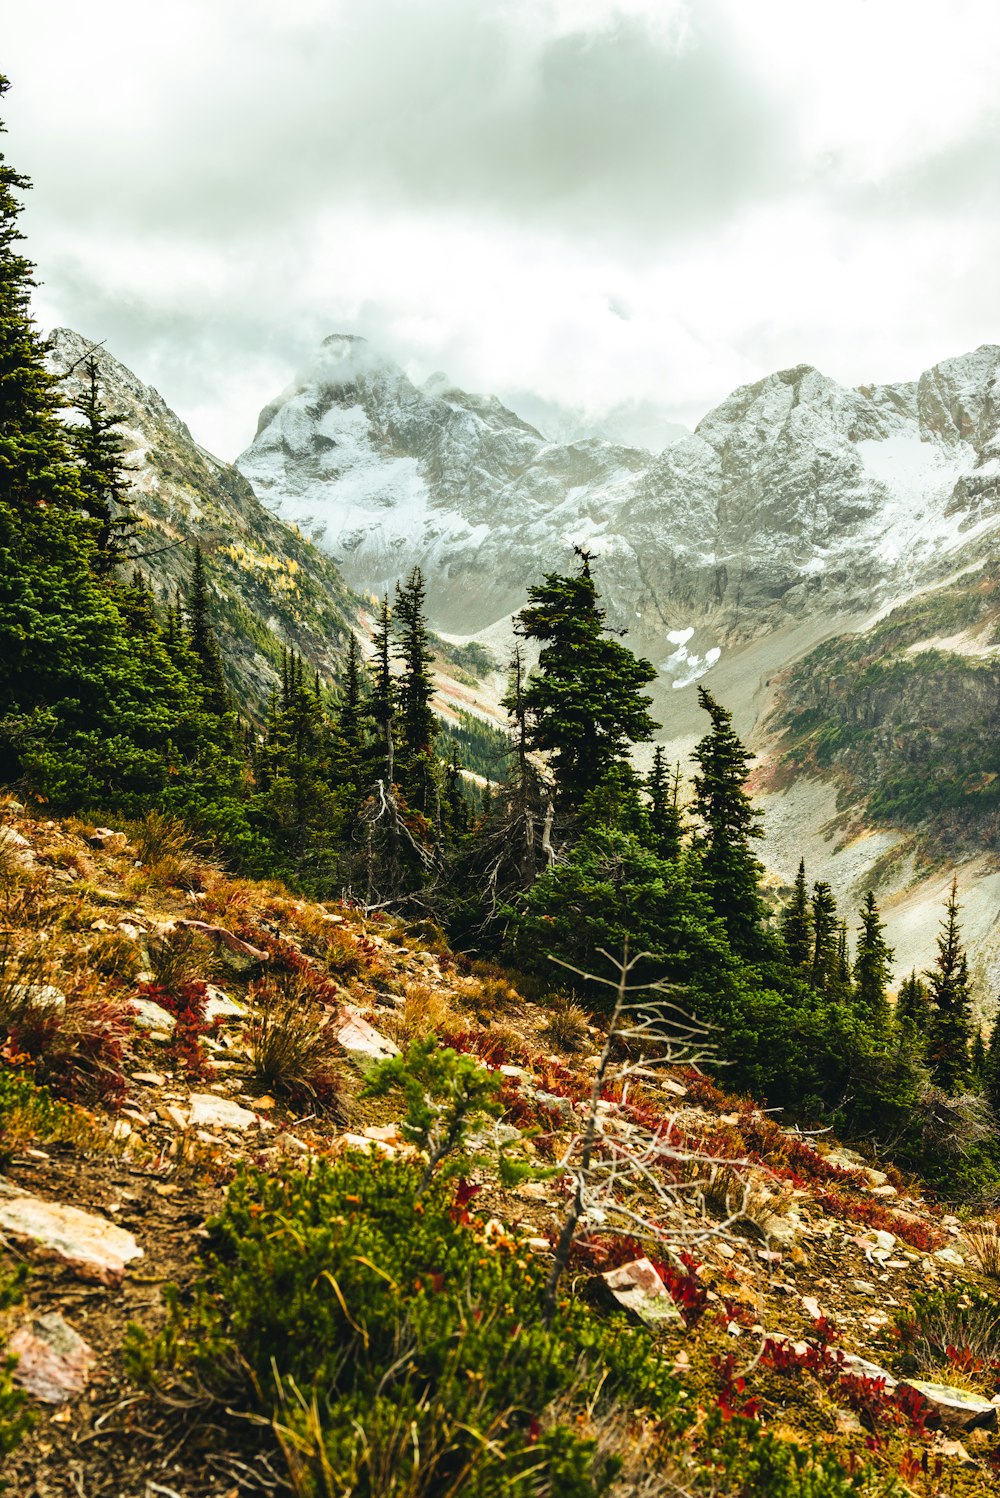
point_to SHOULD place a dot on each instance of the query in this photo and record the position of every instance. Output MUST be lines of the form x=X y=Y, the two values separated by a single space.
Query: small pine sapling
x=445 y=1093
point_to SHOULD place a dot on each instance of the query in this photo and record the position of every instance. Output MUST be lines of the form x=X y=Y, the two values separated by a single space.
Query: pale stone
x=152 y=1016
x=219 y=1006
x=669 y=1085
x=950 y=1257
x=94 y=1247
x=852 y=1363
x=150 y=1078
x=956 y=1408
x=356 y=1035
x=212 y=1112
x=638 y=1290
x=364 y=1145
x=54 y=1361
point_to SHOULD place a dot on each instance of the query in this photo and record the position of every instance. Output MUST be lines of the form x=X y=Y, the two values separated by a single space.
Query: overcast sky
x=590 y=202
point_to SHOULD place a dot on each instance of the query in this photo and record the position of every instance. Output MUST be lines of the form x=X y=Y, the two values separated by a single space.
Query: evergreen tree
x=584 y=702
x=295 y=802
x=950 y=1030
x=665 y=824
x=796 y=923
x=86 y=717
x=384 y=695
x=872 y=966
x=826 y=934
x=417 y=764
x=841 y=986
x=729 y=823
x=913 y=1008
x=205 y=647
x=97 y=445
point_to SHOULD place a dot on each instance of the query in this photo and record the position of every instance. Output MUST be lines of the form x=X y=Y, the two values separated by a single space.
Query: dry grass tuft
x=292 y=1042
x=67 y=856
x=568 y=1027
x=983 y=1239
x=425 y=1011
x=179 y=957
x=114 y=955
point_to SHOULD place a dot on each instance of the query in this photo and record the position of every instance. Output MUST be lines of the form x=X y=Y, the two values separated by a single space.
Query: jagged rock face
x=794 y=494
x=272 y=587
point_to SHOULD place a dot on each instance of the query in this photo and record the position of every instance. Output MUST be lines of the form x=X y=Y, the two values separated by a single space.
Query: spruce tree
x=729 y=823
x=665 y=824
x=991 y=1068
x=584 y=701
x=417 y=763
x=826 y=937
x=97 y=445
x=872 y=966
x=841 y=985
x=913 y=1007
x=950 y=1030
x=796 y=923
x=384 y=696
x=203 y=643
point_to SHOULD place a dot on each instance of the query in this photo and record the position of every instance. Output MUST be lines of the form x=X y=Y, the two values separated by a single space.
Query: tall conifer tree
x=204 y=645
x=665 y=822
x=872 y=965
x=826 y=935
x=950 y=1029
x=584 y=702
x=729 y=824
x=796 y=923
x=98 y=447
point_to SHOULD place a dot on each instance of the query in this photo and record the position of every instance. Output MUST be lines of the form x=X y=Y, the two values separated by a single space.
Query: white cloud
x=597 y=201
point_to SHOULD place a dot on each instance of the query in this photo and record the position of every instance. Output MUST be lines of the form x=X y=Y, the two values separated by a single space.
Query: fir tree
x=950 y=1030
x=872 y=966
x=205 y=647
x=826 y=933
x=796 y=923
x=417 y=763
x=584 y=702
x=98 y=447
x=384 y=694
x=729 y=823
x=665 y=824
x=913 y=1007
x=991 y=1068
x=841 y=985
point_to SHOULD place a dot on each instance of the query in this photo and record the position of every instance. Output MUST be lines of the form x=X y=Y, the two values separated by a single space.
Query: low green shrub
x=398 y=1346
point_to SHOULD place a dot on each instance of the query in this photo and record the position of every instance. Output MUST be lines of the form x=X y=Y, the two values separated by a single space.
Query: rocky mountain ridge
x=794 y=494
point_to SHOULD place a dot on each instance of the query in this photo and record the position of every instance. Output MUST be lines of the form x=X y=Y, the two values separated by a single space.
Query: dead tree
x=650 y=1182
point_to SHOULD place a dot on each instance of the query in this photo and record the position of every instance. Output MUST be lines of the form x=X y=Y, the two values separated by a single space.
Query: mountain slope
x=272 y=587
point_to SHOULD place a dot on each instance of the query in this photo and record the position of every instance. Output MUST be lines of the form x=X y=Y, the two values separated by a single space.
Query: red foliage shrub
x=187 y=1005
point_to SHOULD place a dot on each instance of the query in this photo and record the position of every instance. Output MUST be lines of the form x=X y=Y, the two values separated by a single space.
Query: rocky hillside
x=273 y=588
x=143 y=969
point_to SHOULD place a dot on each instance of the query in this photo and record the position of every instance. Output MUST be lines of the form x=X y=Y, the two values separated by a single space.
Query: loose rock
x=95 y=1248
x=54 y=1361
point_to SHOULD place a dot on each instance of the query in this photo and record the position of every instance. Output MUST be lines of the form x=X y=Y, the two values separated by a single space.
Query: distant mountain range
x=822 y=557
